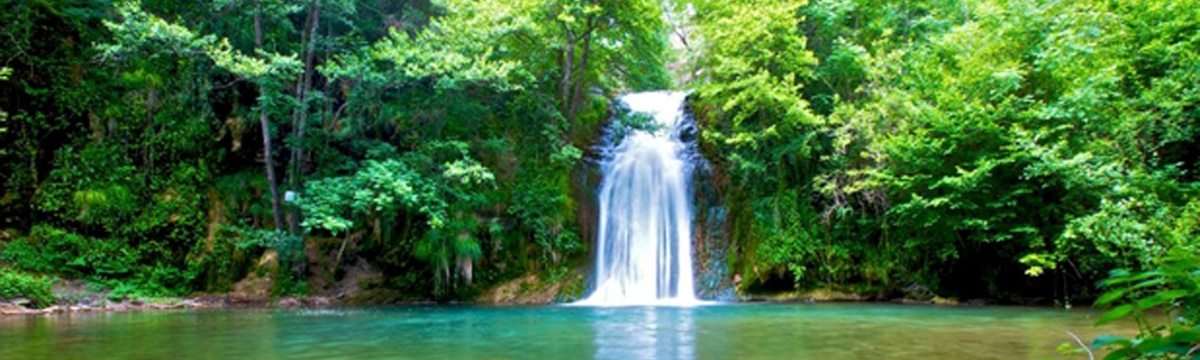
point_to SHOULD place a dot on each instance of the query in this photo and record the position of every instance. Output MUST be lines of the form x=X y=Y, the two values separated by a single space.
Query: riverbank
x=20 y=306
x=75 y=296
x=829 y=296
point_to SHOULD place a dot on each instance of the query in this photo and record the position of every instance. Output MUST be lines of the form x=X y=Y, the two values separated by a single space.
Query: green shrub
x=45 y=250
x=53 y=250
x=1173 y=286
x=129 y=270
x=14 y=284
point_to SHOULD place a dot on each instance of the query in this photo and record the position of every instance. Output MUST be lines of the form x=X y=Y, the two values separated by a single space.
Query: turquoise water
x=747 y=331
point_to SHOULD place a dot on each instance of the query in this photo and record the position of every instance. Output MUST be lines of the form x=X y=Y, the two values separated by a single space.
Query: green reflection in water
x=819 y=332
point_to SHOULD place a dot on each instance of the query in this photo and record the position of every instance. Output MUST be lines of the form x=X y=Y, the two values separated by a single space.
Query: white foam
x=644 y=249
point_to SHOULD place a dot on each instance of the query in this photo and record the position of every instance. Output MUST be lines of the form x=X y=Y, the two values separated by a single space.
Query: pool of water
x=745 y=331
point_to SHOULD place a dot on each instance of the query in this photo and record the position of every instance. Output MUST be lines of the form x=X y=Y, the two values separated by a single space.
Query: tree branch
x=1091 y=356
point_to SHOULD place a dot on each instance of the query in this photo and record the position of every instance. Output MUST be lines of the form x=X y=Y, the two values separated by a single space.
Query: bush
x=14 y=284
x=134 y=271
x=1173 y=286
x=52 y=250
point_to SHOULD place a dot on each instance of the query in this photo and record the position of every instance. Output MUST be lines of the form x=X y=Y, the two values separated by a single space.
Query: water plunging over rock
x=644 y=250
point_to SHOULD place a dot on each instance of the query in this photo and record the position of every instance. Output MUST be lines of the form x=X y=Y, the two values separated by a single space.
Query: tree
x=4 y=73
x=983 y=140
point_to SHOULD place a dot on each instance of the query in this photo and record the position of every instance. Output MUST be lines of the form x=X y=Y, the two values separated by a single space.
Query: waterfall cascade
x=644 y=250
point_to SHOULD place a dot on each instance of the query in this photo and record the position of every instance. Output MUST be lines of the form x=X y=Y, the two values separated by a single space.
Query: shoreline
x=73 y=296
x=17 y=309
x=9 y=310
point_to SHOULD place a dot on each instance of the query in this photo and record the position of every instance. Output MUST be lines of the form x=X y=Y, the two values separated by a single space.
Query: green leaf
x=1115 y=314
x=1111 y=296
x=1149 y=283
x=1186 y=335
x=1162 y=298
x=1122 y=354
x=1174 y=294
x=1111 y=340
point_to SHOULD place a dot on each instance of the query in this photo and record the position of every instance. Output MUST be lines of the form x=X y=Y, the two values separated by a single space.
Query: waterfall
x=644 y=250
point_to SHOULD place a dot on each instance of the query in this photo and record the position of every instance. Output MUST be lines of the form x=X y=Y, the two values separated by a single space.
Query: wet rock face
x=714 y=280
x=585 y=185
x=711 y=244
x=724 y=283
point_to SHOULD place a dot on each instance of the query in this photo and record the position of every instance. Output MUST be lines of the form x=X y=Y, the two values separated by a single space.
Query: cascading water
x=644 y=251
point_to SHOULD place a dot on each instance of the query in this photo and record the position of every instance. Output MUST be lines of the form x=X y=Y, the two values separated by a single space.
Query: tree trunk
x=270 y=167
x=304 y=85
x=577 y=96
x=568 y=66
x=266 y=128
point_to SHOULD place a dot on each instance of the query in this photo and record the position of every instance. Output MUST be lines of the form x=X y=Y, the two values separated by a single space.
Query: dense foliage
x=162 y=147
x=997 y=149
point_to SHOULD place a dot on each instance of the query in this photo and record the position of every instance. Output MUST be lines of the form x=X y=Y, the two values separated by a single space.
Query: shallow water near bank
x=743 y=331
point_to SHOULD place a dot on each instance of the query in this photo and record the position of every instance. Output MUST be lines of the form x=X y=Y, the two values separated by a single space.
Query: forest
x=1019 y=151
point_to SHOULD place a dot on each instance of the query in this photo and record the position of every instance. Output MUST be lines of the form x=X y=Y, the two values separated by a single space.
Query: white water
x=644 y=249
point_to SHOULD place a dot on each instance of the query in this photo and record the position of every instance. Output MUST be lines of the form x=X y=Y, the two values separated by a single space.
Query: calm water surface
x=763 y=331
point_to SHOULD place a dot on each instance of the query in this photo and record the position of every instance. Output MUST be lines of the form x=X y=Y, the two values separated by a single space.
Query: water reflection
x=644 y=333
x=744 y=332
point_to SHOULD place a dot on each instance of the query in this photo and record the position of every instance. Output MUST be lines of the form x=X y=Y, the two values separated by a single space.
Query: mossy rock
x=534 y=289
